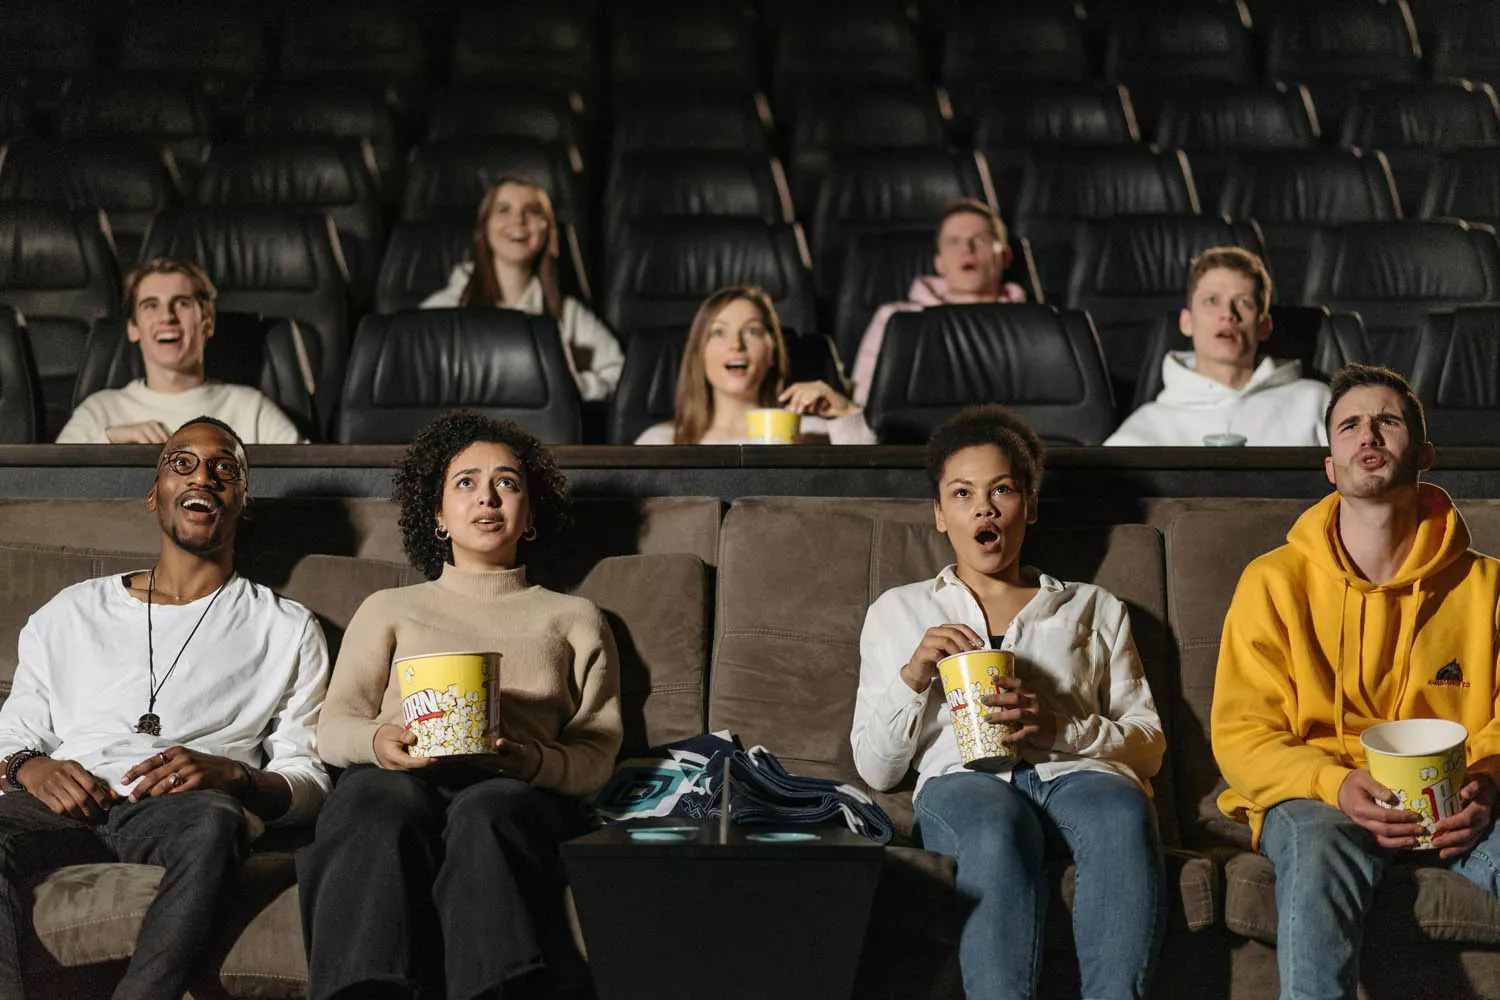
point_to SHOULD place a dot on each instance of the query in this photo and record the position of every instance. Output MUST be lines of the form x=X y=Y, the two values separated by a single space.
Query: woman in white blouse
x=1080 y=714
x=735 y=361
x=516 y=252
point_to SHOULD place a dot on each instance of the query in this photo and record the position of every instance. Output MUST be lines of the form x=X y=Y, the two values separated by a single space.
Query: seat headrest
x=1270 y=116
x=311 y=172
x=1310 y=185
x=1423 y=116
x=408 y=367
x=1045 y=364
x=867 y=115
x=471 y=110
x=1060 y=115
x=1464 y=185
x=1394 y=261
x=82 y=174
x=897 y=185
x=42 y=247
x=689 y=258
x=1469 y=375
x=320 y=39
x=419 y=259
x=244 y=248
x=1141 y=256
x=451 y=177
x=694 y=182
x=324 y=109
x=1341 y=37
x=1180 y=41
x=1099 y=183
x=140 y=106
x=689 y=122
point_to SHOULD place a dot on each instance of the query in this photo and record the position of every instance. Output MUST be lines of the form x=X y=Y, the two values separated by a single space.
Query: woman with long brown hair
x=735 y=362
x=515 y=267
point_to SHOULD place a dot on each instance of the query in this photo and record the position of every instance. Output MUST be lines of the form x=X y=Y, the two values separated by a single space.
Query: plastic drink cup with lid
x=446 y=700
x=967 y=678
x=772 y=426
x=1423 y=762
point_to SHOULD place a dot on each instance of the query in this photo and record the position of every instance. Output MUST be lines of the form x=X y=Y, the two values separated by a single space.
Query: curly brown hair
x=418 y=484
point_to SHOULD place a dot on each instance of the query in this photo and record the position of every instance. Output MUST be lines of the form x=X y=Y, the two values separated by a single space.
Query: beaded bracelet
x=13 y=766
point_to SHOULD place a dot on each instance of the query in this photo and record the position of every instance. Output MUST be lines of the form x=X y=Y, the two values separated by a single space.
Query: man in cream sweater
x=152 y=711
x=170 y=309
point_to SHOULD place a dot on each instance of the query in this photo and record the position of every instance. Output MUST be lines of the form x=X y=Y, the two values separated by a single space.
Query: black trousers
x=432 y=891
x=198 y=836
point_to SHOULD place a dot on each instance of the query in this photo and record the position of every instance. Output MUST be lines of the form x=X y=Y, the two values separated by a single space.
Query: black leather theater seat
x=528 y=44
x=20 y=395
x=275 y=263
x=333 y=110
x=1394 y=273
x=684 y=45
x=1129 y=270
x=129 y=181
x=1061 y=187
x=419 y=258
x=1041 y=362
x=269 y=354
x=1457 y=376
x=161 y=111
x=655 y=184
x=57 y=270
x=690 y=120
x=990 y=45
x=408 y=368
x=1464 y=185
x=1291 y=193
x=1163 y=48
x=664 y=268
x=819 y=44
x=1413 y=122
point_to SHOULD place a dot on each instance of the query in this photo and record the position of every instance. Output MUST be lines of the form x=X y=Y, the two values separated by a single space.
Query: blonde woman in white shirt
x=515 y=267
x=736 y=361
x=1084 y=723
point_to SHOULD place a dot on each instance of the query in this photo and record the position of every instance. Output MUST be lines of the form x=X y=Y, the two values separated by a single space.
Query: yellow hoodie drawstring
x=1338 y=677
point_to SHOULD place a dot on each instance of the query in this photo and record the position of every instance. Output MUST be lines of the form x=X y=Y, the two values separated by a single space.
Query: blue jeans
x=1327 y=868
x=997 y=831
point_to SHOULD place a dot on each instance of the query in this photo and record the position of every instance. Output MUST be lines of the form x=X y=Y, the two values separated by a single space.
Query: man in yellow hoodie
x=1375 y=610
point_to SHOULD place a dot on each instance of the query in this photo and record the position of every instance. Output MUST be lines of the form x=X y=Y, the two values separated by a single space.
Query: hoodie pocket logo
x=1451 y=674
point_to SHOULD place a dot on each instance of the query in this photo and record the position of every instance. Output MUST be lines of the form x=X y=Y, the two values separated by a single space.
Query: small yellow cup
x=446 y=699
x=968 y=677
x=772 y=426
x=1422 y=761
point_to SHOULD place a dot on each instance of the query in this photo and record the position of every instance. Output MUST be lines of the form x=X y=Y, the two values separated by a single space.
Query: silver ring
x=176 y=779
x=163 y=756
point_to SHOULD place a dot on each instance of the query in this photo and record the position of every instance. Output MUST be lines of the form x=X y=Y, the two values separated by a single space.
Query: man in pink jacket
x=972 y=254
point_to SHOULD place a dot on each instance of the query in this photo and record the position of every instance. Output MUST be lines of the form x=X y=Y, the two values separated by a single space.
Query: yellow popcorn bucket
x=446 y=700
x=1422 y=761
x=773 y=426
x=968 y=677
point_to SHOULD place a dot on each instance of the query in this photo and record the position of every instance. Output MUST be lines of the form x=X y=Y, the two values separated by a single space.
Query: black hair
x=987 y=424
x=418 y=483
x=213 y=422
x=1355 y=376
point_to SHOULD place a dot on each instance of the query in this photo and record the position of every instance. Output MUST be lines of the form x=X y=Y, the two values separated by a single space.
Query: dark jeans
x=414 y=889
x=197 y=836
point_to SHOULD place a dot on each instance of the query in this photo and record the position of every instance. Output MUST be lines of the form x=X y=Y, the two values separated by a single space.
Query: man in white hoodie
x=1219 y=393
x=972 y=254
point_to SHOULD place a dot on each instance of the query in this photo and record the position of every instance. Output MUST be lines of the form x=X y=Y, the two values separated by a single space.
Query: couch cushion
x=92 y=913
x=786 y=656
x=1209 y=543
x=1439 y=904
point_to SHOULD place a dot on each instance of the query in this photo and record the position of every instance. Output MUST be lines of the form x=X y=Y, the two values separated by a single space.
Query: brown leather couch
x=775 y=659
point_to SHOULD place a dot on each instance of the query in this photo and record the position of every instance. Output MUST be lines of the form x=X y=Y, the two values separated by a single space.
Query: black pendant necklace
x=150 y=723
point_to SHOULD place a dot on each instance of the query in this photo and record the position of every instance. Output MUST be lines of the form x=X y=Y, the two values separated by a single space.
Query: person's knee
x=211 y=822
x=501 y=805
x=371 y=800
x=1315 y=836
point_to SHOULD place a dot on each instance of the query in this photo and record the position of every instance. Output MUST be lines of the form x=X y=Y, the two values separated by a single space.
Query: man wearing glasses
x=169 y=309
x=151 y=712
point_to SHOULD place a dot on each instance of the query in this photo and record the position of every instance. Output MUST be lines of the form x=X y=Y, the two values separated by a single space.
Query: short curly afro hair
x=418 y=486
x=987 y=424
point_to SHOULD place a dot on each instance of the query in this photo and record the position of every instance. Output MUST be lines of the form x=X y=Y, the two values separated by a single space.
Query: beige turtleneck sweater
x=559 y=672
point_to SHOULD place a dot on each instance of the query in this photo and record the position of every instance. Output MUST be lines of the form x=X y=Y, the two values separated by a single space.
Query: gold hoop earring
x=441 y=534
x=529 y=535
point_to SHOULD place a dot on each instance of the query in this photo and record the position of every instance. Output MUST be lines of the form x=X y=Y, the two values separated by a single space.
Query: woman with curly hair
x=736 y=361
x=430 y=877
x=515 y=267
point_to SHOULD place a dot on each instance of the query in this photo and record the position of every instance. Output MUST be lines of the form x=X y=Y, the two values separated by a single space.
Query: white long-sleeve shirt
x=1073 y=647
x=249 y=685
x=592 y=350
